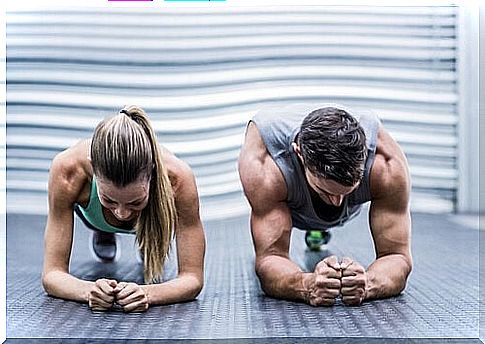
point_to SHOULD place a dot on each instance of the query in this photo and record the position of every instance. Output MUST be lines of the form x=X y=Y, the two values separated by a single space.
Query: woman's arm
x=190 y=246
x=59 y=232
x=190 y=241
x=66 y=181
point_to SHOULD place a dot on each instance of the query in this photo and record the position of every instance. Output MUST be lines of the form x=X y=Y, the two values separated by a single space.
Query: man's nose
x=336 y=200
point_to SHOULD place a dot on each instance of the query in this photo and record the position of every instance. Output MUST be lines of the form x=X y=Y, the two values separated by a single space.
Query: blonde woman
x=123 y=181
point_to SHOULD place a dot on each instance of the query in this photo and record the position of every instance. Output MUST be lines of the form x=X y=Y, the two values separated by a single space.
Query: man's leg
x=103 y=243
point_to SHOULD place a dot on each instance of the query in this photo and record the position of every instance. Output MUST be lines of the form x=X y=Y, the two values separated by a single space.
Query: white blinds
x=202 y=73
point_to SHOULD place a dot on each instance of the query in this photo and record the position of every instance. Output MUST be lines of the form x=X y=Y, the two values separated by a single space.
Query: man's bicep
x=271 y=229
x=390 y=218
x=390 y=227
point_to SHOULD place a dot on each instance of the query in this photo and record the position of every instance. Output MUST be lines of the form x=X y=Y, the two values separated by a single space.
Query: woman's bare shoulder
x=179 y=172
x=70 y=171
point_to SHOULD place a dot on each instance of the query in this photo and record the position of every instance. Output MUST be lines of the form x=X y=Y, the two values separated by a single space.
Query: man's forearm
x=281 y=278
x=387 y=276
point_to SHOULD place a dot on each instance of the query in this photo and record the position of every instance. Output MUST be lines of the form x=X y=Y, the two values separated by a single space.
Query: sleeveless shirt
x=93 y=213
x=278 y=127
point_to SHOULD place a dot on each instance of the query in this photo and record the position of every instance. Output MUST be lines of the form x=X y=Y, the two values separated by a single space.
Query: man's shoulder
x=390 y=173
x=261 y=178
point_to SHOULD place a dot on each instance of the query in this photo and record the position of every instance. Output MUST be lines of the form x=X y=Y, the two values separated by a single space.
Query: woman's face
x=126 y=202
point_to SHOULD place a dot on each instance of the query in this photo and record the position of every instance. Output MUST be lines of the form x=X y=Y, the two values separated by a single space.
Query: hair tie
x=125 y=112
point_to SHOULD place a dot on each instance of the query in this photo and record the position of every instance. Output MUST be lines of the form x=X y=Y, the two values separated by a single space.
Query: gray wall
x=201 y=74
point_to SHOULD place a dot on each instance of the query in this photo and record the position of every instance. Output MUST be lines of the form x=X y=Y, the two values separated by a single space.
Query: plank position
x=122 y=181
x=312 y=168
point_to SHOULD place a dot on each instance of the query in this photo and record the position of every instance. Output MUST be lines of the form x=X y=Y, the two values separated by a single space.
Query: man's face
x=328 y=190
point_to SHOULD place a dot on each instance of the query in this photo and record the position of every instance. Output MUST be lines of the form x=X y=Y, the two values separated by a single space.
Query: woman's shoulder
x=179 y=172
x=71 y=170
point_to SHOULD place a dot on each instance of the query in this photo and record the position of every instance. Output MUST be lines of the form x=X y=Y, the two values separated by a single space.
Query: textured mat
x=441 y=300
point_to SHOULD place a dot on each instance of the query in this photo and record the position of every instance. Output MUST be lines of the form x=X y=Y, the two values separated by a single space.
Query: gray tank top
x=278 y=127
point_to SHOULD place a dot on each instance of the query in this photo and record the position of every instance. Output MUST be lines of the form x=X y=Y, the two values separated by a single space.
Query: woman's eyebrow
x=137 y=200
x=106 y=197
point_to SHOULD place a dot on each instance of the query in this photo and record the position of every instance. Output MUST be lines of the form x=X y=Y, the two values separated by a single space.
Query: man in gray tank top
x=312 y=167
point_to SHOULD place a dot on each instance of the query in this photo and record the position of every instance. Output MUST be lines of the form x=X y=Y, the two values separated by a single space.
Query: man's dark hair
x=332 y=144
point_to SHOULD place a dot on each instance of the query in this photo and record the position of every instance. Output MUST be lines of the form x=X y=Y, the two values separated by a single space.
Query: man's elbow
x=407 y=268
x=408 y=264
x=261 y=268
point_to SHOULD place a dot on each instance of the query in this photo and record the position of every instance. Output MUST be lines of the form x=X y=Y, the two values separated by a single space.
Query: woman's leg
x=104 y=243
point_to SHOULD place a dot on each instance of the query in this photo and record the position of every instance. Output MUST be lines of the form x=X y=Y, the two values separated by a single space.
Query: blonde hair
x=124 y=148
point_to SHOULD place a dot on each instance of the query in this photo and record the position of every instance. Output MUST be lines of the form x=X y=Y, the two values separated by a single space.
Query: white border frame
x=468 y=129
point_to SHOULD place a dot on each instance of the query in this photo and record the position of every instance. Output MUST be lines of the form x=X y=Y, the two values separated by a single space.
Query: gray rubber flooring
x=440 y=304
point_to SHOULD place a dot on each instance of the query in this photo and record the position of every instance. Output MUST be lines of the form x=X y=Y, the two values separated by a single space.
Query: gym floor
x=439 y=305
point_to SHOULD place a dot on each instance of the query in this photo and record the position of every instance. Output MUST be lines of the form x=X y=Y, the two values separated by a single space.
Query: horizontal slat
x=100 y=77
x=161 y=56
x=235 y=31
x=188 y=44
x=311 y=15
x=435 y=10
x=22 y=95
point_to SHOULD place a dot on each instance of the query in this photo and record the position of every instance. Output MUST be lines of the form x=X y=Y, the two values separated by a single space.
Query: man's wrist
x=307 y=280
x=369 y=286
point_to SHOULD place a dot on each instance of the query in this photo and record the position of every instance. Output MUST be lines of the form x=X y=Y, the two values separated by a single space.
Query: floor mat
x=440 y=301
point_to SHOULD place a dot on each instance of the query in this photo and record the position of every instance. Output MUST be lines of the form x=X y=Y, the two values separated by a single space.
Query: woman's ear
x=89 y=152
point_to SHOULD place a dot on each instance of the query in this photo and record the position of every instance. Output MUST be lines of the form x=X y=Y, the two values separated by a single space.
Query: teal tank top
x=93 y=213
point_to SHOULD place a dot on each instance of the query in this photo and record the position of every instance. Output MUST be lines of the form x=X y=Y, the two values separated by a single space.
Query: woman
x=123 y=181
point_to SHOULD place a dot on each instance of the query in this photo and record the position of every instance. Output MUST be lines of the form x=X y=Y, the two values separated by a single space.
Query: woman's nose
x=122 y=213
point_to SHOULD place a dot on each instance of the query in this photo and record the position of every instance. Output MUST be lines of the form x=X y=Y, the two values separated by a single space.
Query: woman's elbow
x=198 y=286
x=46 y=283
x=195 y=287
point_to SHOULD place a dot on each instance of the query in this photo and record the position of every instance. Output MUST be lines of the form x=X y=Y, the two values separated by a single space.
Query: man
x=312 y=168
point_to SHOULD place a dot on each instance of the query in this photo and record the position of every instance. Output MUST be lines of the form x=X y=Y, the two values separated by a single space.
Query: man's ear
x=296 y=148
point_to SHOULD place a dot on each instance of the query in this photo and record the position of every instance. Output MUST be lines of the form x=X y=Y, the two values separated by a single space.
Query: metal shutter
x=201 y=74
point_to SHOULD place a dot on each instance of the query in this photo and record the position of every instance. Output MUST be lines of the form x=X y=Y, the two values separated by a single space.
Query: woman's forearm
x=63 y=285
x=185 y=287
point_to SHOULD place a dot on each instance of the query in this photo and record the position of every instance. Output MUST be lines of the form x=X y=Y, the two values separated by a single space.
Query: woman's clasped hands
x=106 y=293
